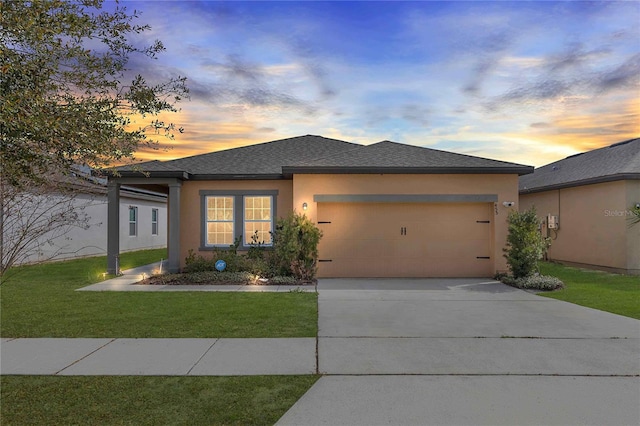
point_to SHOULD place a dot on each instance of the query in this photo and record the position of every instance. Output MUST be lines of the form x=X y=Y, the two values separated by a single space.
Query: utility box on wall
x=552 y=222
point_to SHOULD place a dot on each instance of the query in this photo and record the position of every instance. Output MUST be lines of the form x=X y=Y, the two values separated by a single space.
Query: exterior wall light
x=304 y=206
x=509 y=203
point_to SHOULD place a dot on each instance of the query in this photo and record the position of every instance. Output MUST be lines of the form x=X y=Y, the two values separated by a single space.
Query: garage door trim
x=405 y=198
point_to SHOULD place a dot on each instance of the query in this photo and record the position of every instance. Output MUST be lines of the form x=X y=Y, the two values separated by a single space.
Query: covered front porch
x=169 y=185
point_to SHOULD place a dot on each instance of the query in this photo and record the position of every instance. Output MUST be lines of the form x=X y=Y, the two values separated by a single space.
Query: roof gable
x=614 y=162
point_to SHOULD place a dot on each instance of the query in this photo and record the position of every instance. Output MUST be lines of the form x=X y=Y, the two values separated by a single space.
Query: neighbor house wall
x=593 y=227
x=92 y=241
x=633 y=232
x=305 y=186
x=191 y=222
x=144 y=239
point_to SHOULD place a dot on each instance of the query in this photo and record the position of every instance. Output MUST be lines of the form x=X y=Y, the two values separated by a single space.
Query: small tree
x=34 y=222
x=525 y=246
x=295 y=245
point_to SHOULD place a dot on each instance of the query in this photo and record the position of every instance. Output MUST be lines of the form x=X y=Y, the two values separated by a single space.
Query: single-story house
x=385 y=210
x=590 y=197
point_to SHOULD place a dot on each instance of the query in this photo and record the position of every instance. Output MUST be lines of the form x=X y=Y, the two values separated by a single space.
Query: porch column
x=113 y=227
x=173 y=243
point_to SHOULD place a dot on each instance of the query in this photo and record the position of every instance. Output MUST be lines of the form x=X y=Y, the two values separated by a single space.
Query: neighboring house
x=143 y=223
x=385 y=210
x=591 y=195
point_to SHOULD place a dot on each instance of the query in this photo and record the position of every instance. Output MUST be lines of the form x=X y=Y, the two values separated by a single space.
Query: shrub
x=216 y=276
x=280 y=280
x=536 y=282
x=525 y=244
x=295 y=247
x=235 y=262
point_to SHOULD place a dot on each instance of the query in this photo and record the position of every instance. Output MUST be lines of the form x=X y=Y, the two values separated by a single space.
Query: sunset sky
x=527 y=82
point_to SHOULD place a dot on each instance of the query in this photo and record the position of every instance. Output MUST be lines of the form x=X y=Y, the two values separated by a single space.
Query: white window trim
x=245 y=221
x=155 y=222
x=133 y=222
x=238 y=214
x=232 y=221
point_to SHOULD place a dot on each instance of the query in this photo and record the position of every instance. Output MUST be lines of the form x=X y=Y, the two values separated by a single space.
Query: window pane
x=132 y=214
x=154 y=215
x=257 y=217
x=132 y=229
x=264 y=232
x=154 y=228
x=220 y=233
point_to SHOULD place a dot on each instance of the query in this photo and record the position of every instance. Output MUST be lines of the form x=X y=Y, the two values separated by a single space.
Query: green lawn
x=144 y=400
x=619 y=294
x=40 y=301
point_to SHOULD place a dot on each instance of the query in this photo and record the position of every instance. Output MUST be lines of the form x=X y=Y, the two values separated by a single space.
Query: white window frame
x=154 y=221
x=133 y=224
x=238 y=213
x=247 y=238
x=207 y=221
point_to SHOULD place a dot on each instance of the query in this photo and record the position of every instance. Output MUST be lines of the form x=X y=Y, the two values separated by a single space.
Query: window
x=228 y=215
x=219 y=221
x=154 y=221
x=258 y=219
x=133 y=221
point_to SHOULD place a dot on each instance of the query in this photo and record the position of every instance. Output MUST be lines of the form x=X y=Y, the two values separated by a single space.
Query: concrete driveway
x=467 y=351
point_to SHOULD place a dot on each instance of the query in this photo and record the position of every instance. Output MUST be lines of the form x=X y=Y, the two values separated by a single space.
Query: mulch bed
x=179 y=280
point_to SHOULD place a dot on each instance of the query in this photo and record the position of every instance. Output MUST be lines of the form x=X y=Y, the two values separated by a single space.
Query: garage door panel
x=405 y=240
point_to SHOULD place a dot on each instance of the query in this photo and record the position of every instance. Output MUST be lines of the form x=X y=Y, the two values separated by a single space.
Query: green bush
x=525 y=245
x=295 y=247
x=294 y=253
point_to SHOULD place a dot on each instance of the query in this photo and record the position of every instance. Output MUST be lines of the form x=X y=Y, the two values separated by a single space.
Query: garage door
x=405 y=239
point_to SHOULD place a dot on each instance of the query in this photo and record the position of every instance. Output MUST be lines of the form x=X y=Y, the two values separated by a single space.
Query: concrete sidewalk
x=165 y=357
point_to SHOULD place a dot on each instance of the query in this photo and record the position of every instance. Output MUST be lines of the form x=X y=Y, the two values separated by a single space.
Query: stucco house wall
x=144 y=239
x=305 y=186
x=191 y=220
x=92 y=241
x=593 y=224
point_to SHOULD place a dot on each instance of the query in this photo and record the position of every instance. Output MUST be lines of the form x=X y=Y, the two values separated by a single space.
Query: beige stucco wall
x=633 y=233
x=305 y=186
x=593 y=226
x=191 y=222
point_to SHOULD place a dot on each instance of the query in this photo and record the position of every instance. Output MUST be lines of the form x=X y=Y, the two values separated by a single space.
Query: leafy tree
x=67 y=96
x=525 y=245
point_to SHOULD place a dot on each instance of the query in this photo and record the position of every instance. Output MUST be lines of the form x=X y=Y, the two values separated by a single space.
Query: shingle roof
x=615 y=162
x=317 y=154
x=393 y=157
x=265 y=159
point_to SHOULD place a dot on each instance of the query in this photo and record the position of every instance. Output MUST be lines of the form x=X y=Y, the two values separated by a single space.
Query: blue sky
x=528 y=82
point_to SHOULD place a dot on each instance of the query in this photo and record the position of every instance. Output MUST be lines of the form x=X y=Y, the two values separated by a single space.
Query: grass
x=149 y=400
x=619 y=294
x=40 y=301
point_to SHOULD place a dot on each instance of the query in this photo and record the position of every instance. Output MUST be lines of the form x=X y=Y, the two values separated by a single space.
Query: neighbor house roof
x=616 y=162
x=317 y=154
